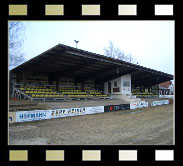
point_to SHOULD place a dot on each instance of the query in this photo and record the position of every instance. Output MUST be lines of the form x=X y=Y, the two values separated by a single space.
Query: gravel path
x=147 y=126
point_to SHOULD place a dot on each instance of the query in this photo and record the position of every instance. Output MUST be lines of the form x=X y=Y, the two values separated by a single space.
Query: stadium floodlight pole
x=76 y=42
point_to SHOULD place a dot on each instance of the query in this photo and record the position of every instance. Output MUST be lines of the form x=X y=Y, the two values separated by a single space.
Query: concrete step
x=130 y=98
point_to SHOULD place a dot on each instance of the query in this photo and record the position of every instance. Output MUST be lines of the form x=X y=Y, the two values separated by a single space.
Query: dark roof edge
x=35 y=57
x=96 y=55
x=113 y=59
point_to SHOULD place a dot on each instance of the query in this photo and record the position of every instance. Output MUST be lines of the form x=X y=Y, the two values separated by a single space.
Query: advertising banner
x=125 y=106
x=133 y=106
x=140 y=104
x=23 y=116
x=76 y=111
x=165 y=101
x=154 y=103
x=110 y=108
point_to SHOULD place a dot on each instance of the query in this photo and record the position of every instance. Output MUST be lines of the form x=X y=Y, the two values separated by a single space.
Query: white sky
x=151 y=43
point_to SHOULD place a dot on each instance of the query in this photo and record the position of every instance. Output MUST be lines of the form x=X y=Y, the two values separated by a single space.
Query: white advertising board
x=166 y=96
x=165 y=101
x=154 y=103
x=76 y=111
x=140 y=104
x=133 y=106
x=23 y=116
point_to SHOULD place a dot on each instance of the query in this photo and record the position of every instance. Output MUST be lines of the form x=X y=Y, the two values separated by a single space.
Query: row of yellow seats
x=39 y=89
x=37 y=86
x=41 y=92
x=145 y=95
x=142 y=94
x=101 y=95
x=74 y=93
x=70 y=90
x=89 y=89
x=66 y=88
x=35 y=89
x=95 y=93
x=22 y=88
x=38 y=95
x=80 y=95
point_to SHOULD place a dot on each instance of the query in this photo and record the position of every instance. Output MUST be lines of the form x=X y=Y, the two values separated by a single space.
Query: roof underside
x=64 y=61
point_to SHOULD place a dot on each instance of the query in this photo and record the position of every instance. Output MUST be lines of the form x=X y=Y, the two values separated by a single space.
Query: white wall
x=171 y=88
x=106 y=87
x=126 y=90
x=119 y=80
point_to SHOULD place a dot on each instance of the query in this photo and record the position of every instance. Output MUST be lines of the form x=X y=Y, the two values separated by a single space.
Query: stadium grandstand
x=66 y=73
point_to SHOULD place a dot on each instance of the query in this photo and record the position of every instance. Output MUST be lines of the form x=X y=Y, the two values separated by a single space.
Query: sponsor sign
x=154 y=103
x=110 y=108
x=133 y=105
x=165 y=101
x=76 y=111
x=140 y=104
x=23 y=116
x=166 y=96
x=116 y=107
x=125 y=106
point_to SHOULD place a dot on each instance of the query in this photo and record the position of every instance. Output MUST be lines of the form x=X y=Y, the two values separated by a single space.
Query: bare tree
x=114 y=52
x=16 y=39
x=129 y=58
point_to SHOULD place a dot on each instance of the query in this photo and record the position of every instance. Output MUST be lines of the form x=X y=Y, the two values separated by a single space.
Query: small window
x=126 y=83
x=115 y=84
x=116 y=89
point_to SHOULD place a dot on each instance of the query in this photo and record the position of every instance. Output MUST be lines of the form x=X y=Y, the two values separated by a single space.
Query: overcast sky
x=151 y=43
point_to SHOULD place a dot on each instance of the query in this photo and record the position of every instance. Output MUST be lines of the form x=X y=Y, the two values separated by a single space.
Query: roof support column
x=82 y=86
x=50 y=80
x=57 y=85
x=140 y=88
x=24 y=79
x=75 y=82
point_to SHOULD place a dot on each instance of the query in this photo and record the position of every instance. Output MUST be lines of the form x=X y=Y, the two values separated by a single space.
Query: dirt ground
x=146 y=126
x=18 y=105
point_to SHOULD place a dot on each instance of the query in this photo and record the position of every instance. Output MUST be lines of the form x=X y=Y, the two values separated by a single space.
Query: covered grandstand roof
x=65 y=61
